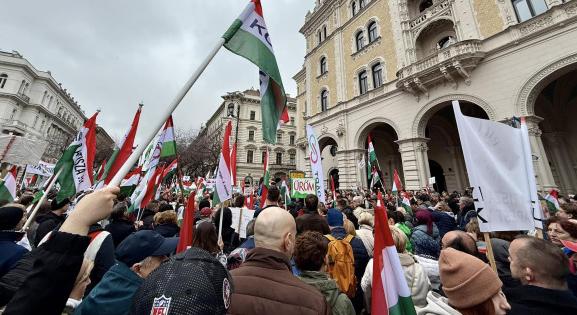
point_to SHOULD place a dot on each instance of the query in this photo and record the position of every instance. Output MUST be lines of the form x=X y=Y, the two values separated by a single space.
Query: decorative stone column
x=415 y=162
x=561 y=160
x=543 y=174
x=349 y=175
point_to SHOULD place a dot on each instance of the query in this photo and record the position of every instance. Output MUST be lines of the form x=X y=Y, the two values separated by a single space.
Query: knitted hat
x=205 y=212
x=334 y=217
x=9 y=217
x=467 y=281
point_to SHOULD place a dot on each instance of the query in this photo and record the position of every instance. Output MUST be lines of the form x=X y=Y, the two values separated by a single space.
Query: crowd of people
x=306 y=257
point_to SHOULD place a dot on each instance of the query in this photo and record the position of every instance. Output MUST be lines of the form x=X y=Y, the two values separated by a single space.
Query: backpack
x=341 y=266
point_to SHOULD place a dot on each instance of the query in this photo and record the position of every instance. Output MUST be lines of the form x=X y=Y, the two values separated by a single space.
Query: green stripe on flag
x=403 y=307
x=66 y=178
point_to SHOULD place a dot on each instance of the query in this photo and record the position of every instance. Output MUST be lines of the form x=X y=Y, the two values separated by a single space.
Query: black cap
x=10 y=216
x=137 y=246
x=193 y=282
x=55 y=205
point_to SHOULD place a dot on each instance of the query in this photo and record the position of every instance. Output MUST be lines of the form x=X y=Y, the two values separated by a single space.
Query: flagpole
x=160 y=123
x=23 y=176
x=41 y=201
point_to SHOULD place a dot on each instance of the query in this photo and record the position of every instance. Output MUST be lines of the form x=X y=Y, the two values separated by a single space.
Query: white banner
x=42 y=169
x=316 y=163
x=240 y=219
x=496 y=162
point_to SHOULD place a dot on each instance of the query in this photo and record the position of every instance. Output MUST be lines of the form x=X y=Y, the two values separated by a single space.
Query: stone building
x=390 y=68
x=243 y=109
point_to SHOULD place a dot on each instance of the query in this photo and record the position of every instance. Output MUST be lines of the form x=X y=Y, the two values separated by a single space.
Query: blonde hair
x=400 y=239
x=367 y=219
x=349 y=227
x=165 y=217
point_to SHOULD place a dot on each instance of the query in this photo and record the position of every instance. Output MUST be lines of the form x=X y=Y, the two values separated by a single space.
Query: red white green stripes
x=223 y=185
x=265 y=180
x=8 y=186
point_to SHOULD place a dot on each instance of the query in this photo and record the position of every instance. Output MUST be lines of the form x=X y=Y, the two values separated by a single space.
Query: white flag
x=316 y=163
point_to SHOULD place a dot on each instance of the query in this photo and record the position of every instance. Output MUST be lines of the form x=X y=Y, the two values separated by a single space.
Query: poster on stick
x=301 y=187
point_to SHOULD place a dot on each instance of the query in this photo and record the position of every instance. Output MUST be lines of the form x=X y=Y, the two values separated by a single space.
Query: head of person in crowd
x=26 y=200
x=473 y=229
x=322 y=210
x=164 y=206
x=238 y=201
x=443 y=206
x=342 y=204
x=470 y=285
x=539 y=263
x=275 y=229
x=144 y=251
x=466 y=204
x=349 y=227
x=205 y=237
x=119 y=212
x=311 y=204
x=204 y=203
x=273 y=196
x=311 y=251
x=358 y=202
x=400 y=239
x=226 y=219
x=12 y=217
x=568 y=211
x=205 y=212
x=165 y=217
x=153 y=206
x=435 y=198
x=460 y=241
x=335 y=218
x=560 y=229
x=366 y=219
x=424 y=217
x=60 y=208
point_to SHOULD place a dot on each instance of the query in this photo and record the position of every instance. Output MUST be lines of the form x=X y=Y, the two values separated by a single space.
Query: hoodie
x=339 y=302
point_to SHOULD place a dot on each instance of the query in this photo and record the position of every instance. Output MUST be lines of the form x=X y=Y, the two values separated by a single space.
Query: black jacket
x=230 y=239
x=120 y=229
x=11 y=282
x=46 y=223
x=529 y=300
x=167 y=230
x=55 y=266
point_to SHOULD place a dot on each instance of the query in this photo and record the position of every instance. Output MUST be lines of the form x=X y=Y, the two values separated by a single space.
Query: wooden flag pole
x=490 y=254
x=41 y=201
x=164 y=116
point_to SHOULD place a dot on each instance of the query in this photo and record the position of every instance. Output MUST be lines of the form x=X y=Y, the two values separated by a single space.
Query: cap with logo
x=139 y=245
x=193 y=282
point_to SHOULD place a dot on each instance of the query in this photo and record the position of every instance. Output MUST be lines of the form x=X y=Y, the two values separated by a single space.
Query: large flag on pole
x=77 y=161
x=316 y=163
x=187 y=227
x=130 y=182
x=223 y=187
x=8 y=185
x=372 y=156
x=397 y=185
x=391 y=294
x=552 y=201
x=248 y=37
x=265 y=180
x=123 y=150
x=169 y=143
x=170 y=169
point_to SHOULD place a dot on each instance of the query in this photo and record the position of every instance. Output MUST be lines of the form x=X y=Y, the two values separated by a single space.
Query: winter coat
x=424 y=243
x=230 y=238
x=529 y=300
x=46 y=223
x=339 y=302
x=437 y=305
x=248 y=243
x=365 y=233
x=10 y=251
x=119 y=230
x=113 y=295
x=358 y=211
x=167 y=230
x=11 y=282
x=56 y=265
x=431 y=267
x=501 y=254
x=264 y=284
x=312 y=222
x=445 y=222
x=407 y=230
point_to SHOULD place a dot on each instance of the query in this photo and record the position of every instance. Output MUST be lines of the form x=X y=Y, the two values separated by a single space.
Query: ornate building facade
x=390 y=68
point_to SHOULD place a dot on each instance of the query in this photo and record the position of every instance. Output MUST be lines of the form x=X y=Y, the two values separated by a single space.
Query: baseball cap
x=192 y=282
x=139 y=245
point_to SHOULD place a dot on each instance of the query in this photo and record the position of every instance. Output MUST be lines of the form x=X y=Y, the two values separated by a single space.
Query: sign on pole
x=316 y=163
x=301 y=187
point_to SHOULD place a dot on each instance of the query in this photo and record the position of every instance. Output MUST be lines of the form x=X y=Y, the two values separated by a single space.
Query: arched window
x=3 y=79
x=377 y=75
x=320 y=37
x=372 y=29
x=324 y=100
x=354 y=8
x=527 y=9
x=323 y=64
x=425 y=4
x=324 y=32
x=363 y=82
x=230 y=111
x=360 y=40
x=446 y=42
x=44 y=96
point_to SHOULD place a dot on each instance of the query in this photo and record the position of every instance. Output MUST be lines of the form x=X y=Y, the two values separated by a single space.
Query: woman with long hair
x=205 y=237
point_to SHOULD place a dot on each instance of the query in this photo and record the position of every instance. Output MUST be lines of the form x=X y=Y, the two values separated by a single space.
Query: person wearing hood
x=52 y=219
x=425 y=236
x=311 y=259
x=12 y=219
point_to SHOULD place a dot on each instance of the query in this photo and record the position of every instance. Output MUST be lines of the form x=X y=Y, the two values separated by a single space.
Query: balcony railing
x=431 y=12
x=24 y=98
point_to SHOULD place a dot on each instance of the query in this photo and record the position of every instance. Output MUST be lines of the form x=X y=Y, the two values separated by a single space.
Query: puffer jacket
x=437 y=305
x=417 y=279
x=424 y=243
x=264 y=284
x=339 y=302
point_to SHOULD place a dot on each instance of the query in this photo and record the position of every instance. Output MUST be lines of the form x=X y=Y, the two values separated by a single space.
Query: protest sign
x=301 y=187
x=240 y=219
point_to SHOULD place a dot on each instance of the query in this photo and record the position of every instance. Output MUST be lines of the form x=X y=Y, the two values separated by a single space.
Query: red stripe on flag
x=233 y=163
x=383 y=238
x=187 y=228
x=257 y=7
x=126 y=148
x=91 y=145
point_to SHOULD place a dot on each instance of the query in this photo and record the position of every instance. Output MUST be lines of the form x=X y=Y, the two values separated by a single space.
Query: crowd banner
x=19 y=150
x=43 y=169
x=301 y=187
x=240 y=219
x=496 y=165
x=316 y=163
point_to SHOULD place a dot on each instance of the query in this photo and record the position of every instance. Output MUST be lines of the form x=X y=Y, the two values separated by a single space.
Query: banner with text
x=301 y=187
x=316 y=163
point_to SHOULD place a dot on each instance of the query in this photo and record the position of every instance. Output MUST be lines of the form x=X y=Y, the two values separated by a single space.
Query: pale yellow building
x=391 y=68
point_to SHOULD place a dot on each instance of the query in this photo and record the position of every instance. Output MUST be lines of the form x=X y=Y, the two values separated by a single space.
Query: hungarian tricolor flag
x=372 y=156
x=248 y=37
x=8 y=186
x=397 y=185
x=130 y=182
x=333 y=191
x=169 y=144
x=265 y=181
x=552 y=201
x=170 y=169
x=187 y=227
x=122 y=150
x=33 y=180
x=76 y=162
x=223 y=185
x=406 y=204
x=390 y=293
x=100 y=171
x=375 y=178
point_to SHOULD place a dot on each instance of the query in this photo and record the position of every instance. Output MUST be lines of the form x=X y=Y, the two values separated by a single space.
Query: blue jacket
x=444 y=222
x=11 y=252
x=113 y=295
x=425 y=244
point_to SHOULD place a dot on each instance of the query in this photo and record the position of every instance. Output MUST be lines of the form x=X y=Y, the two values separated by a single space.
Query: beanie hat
x=334 y=217
x=55 y=205
x=205 y=212
x=9 y=217
x=467 y=281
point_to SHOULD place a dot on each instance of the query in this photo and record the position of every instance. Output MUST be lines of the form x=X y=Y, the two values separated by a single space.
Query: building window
x=44 y=96
x=319 y=37
x=527 y=9
x=292 y=140
x=360 y=40
x=363 y=82
x=372 y=31
x=324 y=100
x=262 y=156
x=279 y=158
x=252 y=115
x=3 y=79
x=21 y=88
x=323 y=65
x=14 y=111
x=230 y=111
x=292 y=121
x=354 y=8
x=278 y=138
x=42 y=124
x=292 y=158
x=249 y=156
x=251 y=135
x=377 y=75
x=324 y=32
x=446 y=42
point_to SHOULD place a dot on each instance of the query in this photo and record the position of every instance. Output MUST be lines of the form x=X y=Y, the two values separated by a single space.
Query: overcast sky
x=113 y=54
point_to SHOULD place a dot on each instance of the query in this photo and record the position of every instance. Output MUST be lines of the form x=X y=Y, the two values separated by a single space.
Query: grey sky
x=113 y=54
